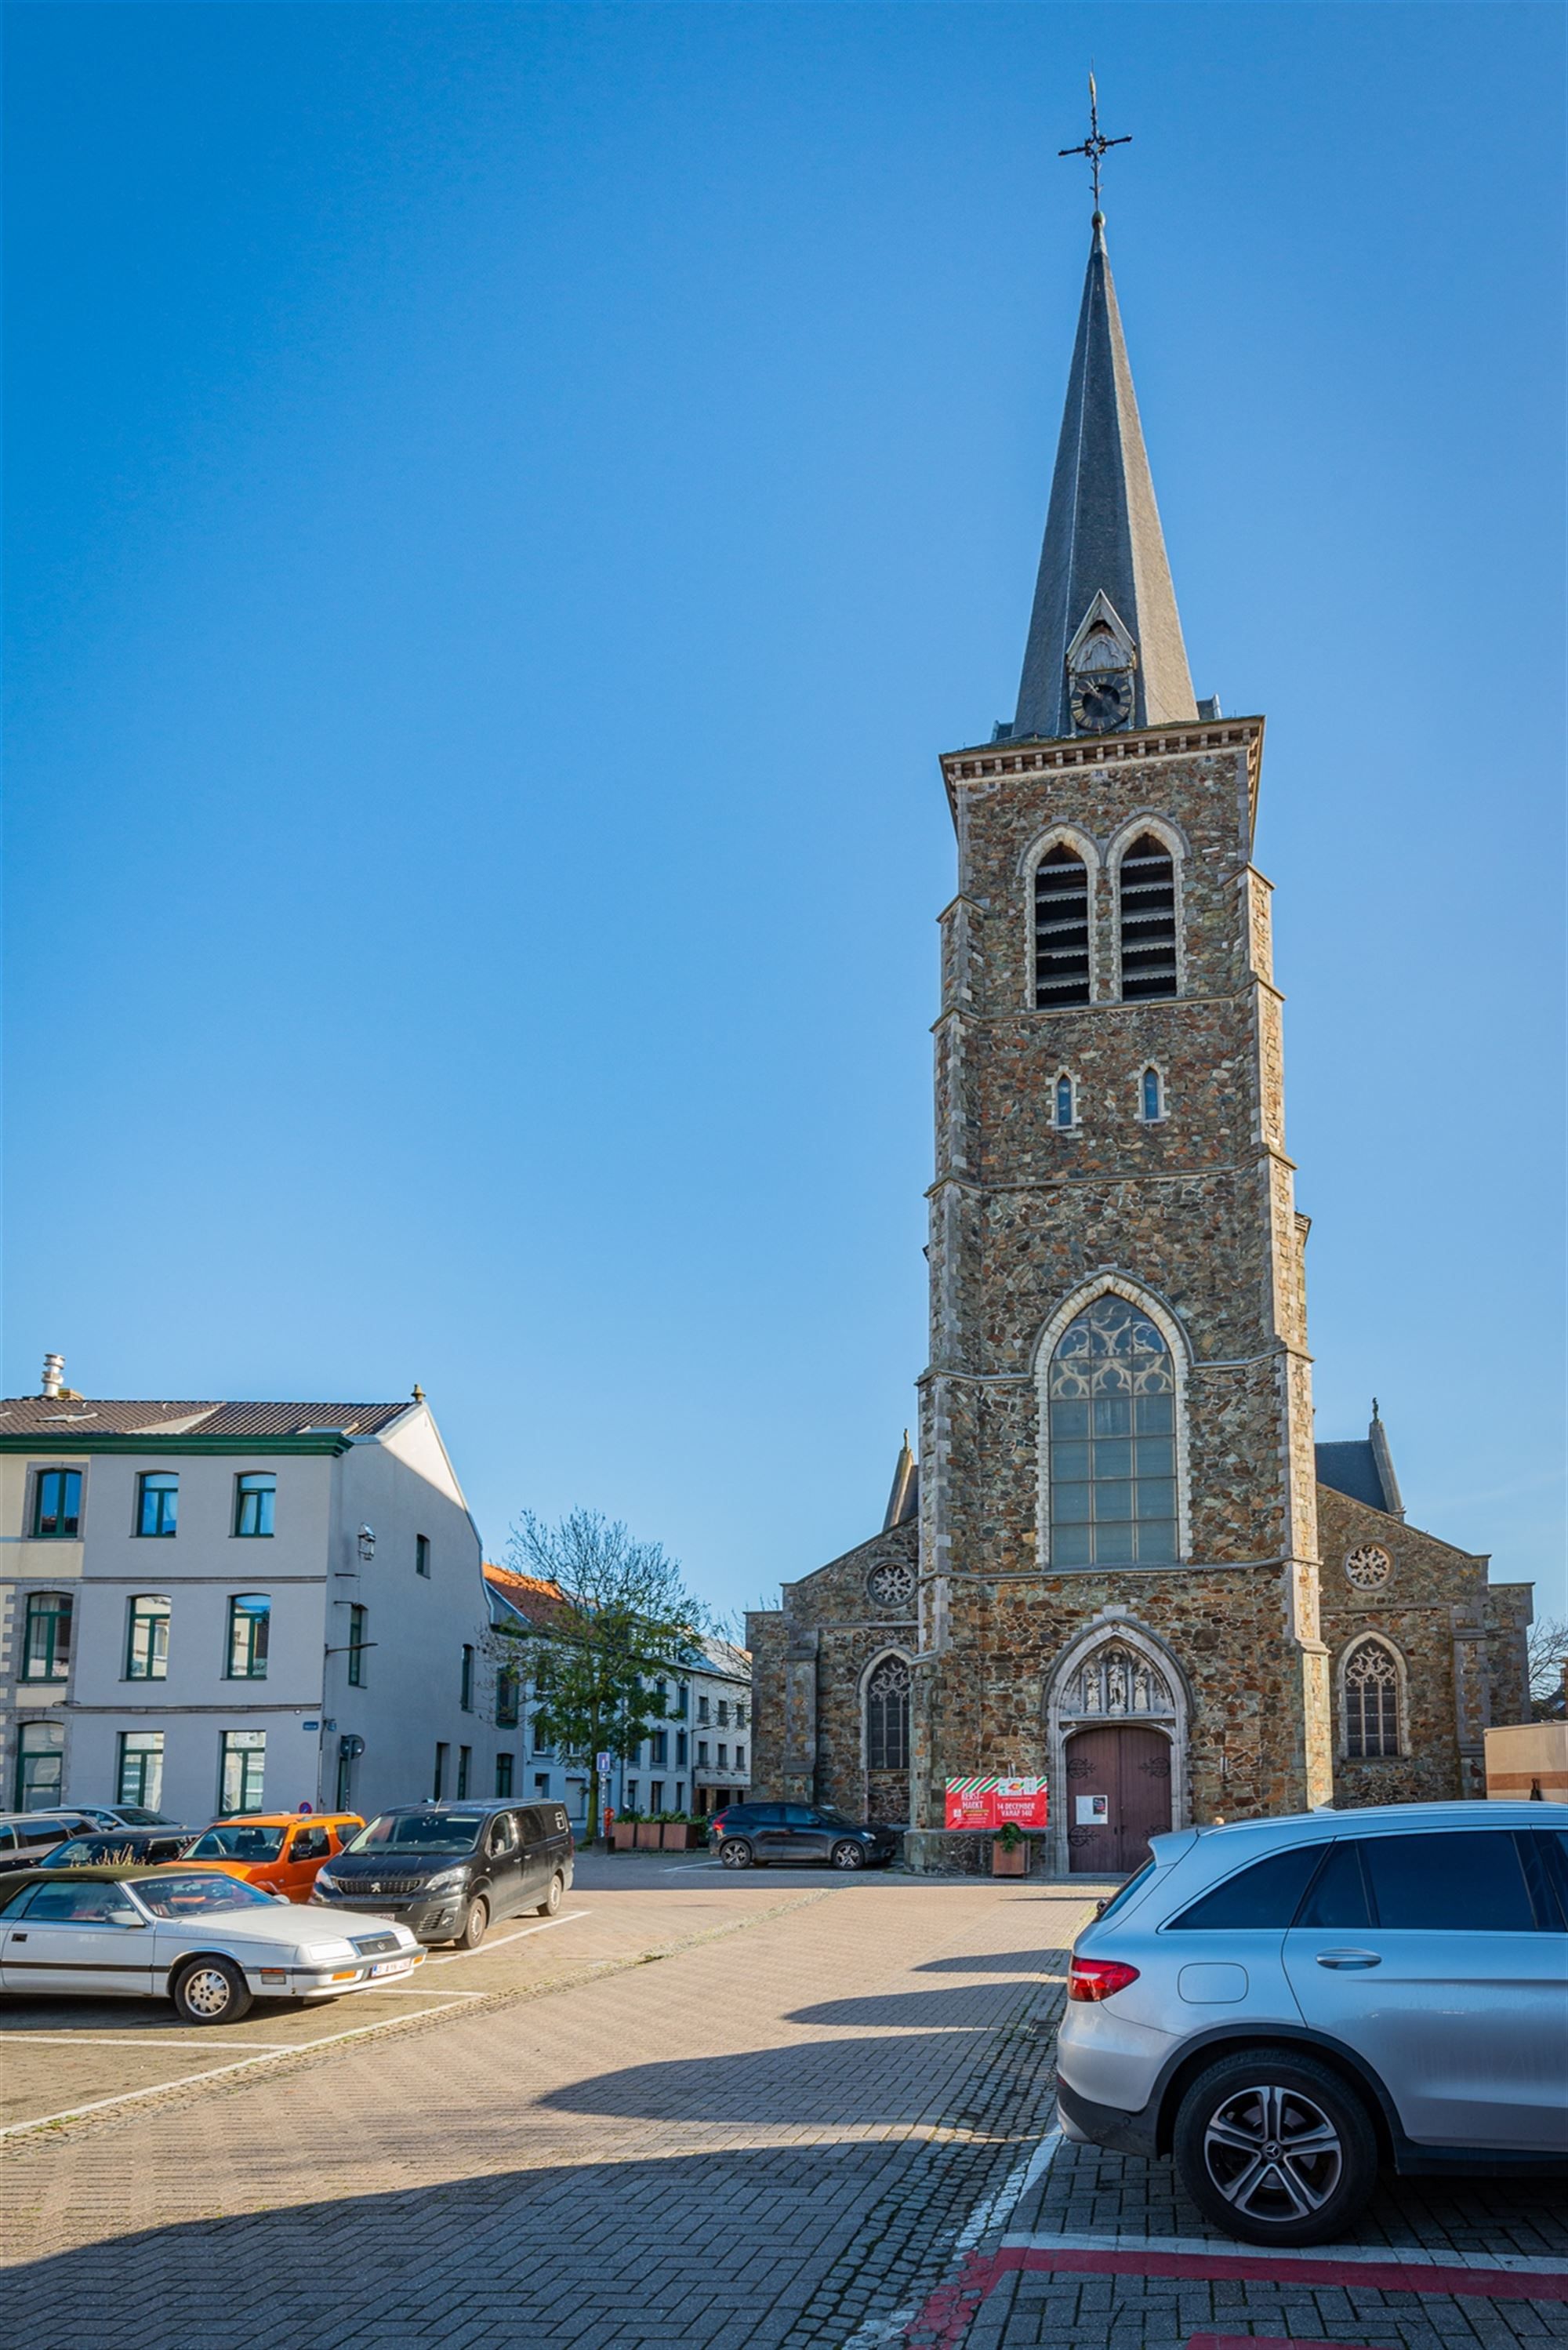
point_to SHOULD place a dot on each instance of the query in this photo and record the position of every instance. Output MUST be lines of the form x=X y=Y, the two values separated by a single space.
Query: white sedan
x=211 y=1943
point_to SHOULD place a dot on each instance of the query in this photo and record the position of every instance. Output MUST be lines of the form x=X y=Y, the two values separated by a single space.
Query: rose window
x=1367 y=1567
x=893 y=1584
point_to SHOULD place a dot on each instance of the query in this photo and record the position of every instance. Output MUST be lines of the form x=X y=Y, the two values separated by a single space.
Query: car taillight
x=1098 y=1978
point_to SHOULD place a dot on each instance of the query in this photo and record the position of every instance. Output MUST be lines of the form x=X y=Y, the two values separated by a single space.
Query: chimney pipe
x=54 y=1374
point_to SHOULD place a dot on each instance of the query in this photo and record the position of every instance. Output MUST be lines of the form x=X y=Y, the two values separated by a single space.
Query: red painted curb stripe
x=945 y=2318
x=1267 y=2342
x=1265 y=2268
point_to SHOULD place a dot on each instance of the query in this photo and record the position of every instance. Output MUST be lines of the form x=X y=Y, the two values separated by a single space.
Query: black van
x=446 y=1871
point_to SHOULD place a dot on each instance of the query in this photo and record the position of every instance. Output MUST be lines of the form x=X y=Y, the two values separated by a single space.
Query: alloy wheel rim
x=208 y=1991
x=1272 y=2153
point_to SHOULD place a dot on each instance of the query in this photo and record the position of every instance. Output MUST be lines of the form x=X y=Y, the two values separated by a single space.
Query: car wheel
x=848 y=1855
x=475 y=1920
x=735 y=1853
x=211 y=1990
x=1275 y=2148
x=554 y=1898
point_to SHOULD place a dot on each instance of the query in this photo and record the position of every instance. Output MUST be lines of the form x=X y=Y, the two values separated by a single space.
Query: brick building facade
x=1123 y=1561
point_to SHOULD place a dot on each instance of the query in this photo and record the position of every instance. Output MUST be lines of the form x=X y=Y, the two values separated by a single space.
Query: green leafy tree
x=624 y=1621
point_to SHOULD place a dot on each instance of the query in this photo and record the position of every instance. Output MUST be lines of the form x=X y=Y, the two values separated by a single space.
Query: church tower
x=1118 y=1576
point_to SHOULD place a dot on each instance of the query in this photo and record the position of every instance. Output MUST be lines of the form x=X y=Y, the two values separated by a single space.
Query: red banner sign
x=990 y=1801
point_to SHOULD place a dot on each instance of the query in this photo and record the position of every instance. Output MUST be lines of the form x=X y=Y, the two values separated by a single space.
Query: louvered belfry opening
x=1061 y=929
x=1148 y=919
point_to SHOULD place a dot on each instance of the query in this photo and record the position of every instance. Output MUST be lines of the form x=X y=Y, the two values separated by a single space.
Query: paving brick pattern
x=766 y=2139
x=785 y=2133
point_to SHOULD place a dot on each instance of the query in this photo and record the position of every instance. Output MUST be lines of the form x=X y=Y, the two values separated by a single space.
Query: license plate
x=391 y=1967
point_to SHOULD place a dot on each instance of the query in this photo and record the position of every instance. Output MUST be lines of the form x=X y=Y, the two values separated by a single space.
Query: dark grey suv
x=445 y=1870
x=748 y=1835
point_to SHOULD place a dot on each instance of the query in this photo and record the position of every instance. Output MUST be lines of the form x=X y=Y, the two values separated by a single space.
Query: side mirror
x=128 y=1917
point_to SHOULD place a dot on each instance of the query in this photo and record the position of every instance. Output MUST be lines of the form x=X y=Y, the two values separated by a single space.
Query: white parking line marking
x=485 y=1948
x=128 y=2040
x=214 y=2071
x=996 y=2208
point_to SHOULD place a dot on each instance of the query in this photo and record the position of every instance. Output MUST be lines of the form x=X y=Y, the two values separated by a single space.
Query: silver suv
x=1284 y=2005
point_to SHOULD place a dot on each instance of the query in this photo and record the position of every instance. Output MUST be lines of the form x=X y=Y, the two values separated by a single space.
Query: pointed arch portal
x=1116 y=1739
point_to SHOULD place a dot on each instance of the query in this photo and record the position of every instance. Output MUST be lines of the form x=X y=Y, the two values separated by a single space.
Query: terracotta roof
x=57 y=1416
x=530 y=1596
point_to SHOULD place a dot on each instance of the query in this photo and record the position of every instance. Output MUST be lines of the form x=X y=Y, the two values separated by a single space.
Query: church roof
x=904 y=1501
x=1363 y=1470
x=1101 y=532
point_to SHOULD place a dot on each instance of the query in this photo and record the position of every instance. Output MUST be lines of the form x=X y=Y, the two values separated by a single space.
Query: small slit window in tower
x=1148 y=879
x=1061 y=929
x=1065 y=1102
x=1153 y=1097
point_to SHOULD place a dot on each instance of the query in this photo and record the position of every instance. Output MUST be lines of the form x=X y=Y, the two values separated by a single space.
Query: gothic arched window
x=1371 y=1701
x=1065 y=1110
x=1061 y=929
x=888 y=1716
x=1151 y=1097
x=1146 y=885
x=1111 y=1398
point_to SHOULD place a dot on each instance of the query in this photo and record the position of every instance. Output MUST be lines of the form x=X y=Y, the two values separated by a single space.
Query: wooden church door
x=1118 y=1795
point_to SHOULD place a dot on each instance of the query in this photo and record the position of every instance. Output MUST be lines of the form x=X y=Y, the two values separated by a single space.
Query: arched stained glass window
x=1371 y=1701
x=888 y=1716
x=1112 y=1409
x=1061 y=929
x=1153 y=1096
x=1065 y=1113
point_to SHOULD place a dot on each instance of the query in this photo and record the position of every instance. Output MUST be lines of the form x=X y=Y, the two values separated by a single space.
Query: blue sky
x=506 y=506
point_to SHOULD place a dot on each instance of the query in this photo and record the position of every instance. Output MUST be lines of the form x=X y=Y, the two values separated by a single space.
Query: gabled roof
x=1363 y=1470
x=1103 y=536
x=542 y=1606
x=56 y=1419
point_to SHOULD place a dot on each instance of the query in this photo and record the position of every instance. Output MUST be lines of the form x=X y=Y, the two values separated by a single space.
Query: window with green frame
x=359 y=1618
x=57 y=1505
x=255 y=1494
x=139 y=1777
x=157 y=1502
x=242 y=1770
x=40 y=1765
x=506 y=1698
x=465 y=1684
x=47 y=1637
x=250 y=1616
x=505 y=1766
x=147 y=1638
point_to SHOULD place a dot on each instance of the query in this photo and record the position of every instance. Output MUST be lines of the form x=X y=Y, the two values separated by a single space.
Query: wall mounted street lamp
x=366 y=1540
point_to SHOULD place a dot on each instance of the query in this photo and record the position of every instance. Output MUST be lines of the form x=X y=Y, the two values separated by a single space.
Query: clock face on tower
x=1101 y=699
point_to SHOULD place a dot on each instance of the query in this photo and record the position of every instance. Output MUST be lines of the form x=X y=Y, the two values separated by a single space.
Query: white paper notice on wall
x=1091 y=1811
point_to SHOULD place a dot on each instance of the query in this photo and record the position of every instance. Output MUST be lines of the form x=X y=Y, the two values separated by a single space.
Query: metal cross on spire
x=1096 y=144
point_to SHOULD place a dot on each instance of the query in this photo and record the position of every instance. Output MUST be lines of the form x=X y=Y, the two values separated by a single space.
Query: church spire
x=1104 y=603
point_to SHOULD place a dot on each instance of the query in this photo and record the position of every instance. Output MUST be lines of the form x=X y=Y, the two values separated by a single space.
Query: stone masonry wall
x=1438 y=1613
x=1195 y=1211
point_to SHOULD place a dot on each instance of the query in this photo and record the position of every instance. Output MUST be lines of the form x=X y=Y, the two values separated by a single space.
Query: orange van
x=279 y=1851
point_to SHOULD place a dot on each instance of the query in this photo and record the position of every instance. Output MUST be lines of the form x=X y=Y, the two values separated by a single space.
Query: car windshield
x=199 y=1897
x=135 y=1817
x=420 y=1831
x=82 y=1851
x=237 y=1842
x=1130 y=1888
x=836 y=1819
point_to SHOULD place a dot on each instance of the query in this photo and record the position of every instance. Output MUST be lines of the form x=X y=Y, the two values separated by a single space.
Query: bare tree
x=1546 y=1646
